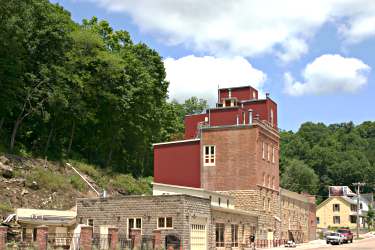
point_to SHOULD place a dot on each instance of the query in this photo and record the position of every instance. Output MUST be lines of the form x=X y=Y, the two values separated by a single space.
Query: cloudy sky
x=315 y=58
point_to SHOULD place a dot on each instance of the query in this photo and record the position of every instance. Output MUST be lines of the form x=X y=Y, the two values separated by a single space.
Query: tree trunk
x=71 y=137
x=49 y=139
x=1 y=123
x=14 y=132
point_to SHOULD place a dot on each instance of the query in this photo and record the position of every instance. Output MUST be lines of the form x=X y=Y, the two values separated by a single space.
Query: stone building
x=197 y=223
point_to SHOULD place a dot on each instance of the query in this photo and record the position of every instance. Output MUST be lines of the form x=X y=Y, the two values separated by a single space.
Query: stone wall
x=117 y=211
x=268 y=214
x=297 y=211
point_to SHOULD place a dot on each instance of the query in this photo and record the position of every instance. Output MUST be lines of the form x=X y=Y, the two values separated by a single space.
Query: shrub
x=78 y=183
x=127 y=183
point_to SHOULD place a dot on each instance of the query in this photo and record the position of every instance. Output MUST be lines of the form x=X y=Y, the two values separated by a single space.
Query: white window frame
x=134 y=225
x=335 y=221
x=165 y=222
x=88 y=222
x=273 y=154
x=234 y=234
x=210 y=156
x=268 y=152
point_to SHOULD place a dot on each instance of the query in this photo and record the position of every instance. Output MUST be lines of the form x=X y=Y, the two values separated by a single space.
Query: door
x=198 y=235
x=103 y=237
x=270 y=238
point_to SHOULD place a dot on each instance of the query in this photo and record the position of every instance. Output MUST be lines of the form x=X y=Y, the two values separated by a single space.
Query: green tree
x=299 y=177
x=370 y=217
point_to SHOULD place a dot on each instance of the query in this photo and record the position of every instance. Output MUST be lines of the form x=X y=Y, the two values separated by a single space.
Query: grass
x=5 y=207
x=47 y=179
x=128 y=184
x=78 y=183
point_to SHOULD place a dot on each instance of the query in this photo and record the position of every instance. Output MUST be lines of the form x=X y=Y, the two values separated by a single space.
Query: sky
x=315 y=58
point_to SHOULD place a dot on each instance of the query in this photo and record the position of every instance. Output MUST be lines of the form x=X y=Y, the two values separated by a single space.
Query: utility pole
x=358 y=185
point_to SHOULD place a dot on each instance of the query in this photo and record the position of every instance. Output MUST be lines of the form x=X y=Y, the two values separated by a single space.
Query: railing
x=101 y=241
x=62 y=240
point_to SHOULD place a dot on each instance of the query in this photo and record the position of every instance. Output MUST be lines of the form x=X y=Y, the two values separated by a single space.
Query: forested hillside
x=81 y=91
x=317 y=156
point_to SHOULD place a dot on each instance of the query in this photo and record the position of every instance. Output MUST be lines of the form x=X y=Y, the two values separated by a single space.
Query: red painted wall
x=178 y=164
x=263 y=108
x=244 y=93
x=191 y=124
x=224 y=116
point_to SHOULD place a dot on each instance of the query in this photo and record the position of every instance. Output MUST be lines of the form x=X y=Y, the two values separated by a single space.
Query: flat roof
x=192 y=188
x=174 y=142
x=239 y=87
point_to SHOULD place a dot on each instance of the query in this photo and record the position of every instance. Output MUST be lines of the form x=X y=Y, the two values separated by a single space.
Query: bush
x=78 y=183
x=90 y=170
x=128 y=184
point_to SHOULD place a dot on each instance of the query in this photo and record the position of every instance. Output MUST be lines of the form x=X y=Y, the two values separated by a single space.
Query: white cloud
x=200 y=76
x=244 y=27
x=329 y=74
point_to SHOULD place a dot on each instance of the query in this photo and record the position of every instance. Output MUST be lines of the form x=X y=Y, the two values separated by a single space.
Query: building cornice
x=175 y=142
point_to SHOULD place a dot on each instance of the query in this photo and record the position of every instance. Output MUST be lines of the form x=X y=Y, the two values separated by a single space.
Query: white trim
x=210 y=156
x=173 y=142
x=192 y=188
x=165 y=222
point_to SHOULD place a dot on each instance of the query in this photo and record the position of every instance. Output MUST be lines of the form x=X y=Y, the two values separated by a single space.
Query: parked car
x=335 y=238
x=290 y=243
x=348 y=235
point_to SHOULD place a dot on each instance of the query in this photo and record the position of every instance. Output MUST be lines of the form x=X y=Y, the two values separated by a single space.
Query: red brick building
x=232 y=149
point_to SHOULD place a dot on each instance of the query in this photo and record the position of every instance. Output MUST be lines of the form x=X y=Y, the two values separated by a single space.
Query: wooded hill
x=318 y=156
x=81 y=91
x=89 y=93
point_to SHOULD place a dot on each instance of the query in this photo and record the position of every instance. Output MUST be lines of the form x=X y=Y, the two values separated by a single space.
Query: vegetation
x=338 y=154
x=5 y=208
x=82 y=91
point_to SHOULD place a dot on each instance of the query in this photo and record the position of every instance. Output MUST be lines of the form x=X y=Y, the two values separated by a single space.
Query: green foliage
x=47 y=179
x=5 y=207
x=298 y=177
x=370 y=217
x=78 y=183
x=339 y=154
x=126 y=184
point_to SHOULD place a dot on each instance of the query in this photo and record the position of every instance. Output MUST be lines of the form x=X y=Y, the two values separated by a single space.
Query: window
x=264 y=203
x=209 y=156
x=353 y=219
x=273 y=182
x=271 y=117
x=336 y=207
x=134 y=223
x=269 y=181
x=263 y=151
x=268 y=152
x=353 y=208
x=243 y=118
x=227 y=203
x=264 y=179
x=254 y=95
x=317 y=220
x=269 y=204
x=219 y=235
x=90 y=222
x=234 y=235
x=219 y=201
x=360 y=205
x=336 y=219
x=165 y=222
x=273 y=154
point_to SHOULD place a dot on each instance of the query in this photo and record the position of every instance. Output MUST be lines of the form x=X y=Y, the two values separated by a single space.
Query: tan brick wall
x=252 y=201
x=295 y=216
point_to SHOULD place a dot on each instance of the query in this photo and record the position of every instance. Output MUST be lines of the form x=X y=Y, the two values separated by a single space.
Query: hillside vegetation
x=317 y=156
x=36 y=183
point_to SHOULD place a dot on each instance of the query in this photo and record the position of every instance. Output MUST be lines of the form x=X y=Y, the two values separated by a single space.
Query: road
x=366 y=244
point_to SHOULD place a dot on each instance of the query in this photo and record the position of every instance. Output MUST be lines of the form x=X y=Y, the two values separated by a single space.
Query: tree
x=299 y=177
x=370 y=217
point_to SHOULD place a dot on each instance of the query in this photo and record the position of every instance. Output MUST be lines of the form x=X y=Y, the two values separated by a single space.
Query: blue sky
x=316 y=58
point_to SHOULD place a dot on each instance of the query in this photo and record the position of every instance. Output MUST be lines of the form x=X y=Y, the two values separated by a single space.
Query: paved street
x=365 y=244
